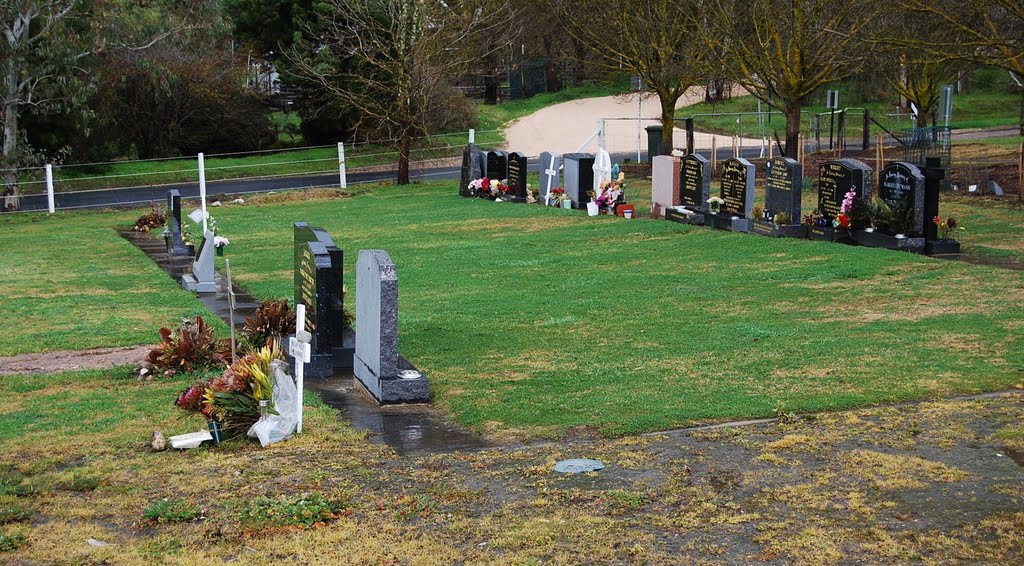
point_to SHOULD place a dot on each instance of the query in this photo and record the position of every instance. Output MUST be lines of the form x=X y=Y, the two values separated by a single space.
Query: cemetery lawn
x=533 y=321
x=70 y=282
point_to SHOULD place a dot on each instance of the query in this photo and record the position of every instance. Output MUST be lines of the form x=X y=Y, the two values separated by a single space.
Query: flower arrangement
x=780 y=219
x=608 y=193
x=947 y=227
x=715 y=204
x=842 y=220
x=155 y=218
x=557 y=196
x=814 y=218
x=232 y=399
x=489 y=189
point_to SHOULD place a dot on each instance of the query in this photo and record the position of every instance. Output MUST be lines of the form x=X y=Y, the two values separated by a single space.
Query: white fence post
x=49 y=187
x=472 y=136
x=202 y=188
x=341 y=165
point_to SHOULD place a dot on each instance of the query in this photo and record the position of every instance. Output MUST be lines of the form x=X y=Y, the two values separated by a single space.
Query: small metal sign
x=578 y=466
x=833 y=100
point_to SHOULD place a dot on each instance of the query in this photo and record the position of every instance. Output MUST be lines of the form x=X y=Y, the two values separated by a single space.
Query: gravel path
x=562 y=128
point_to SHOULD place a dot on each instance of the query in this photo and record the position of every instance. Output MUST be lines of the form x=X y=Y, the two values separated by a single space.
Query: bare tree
x=28 y=60
x=400 y=58
x=785 y=52
x=655 y=40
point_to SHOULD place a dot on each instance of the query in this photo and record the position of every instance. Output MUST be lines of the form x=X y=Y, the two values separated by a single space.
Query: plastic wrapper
x=275 y=428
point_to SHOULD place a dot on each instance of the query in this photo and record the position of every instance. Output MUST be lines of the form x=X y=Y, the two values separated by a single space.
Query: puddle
x=408 y=429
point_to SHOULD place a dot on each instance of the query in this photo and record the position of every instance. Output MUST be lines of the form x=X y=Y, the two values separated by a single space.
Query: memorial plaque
x=579 y=177
x=664 y=184
x=497 y=165
x=694 y=182
x=904 y=181
x=549 y=177
x=517 y=163
x=737 y=188
x=836 y=178
x=783 y=183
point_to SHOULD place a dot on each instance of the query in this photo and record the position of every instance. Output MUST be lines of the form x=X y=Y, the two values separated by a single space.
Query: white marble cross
x=602 y=169
x=552 y=174
x=298 y=347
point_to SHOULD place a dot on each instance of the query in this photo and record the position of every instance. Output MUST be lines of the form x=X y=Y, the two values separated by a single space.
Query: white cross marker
x=298 y=347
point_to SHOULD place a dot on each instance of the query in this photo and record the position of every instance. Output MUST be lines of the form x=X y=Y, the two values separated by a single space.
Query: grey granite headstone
x=901 y=181
x=995 y=188
x=549 y=177
x=836 y=178
x=579 y=177
x=694 y=181
x=783 y=184
x=201 y=280
x=175 y=245
x=472 y=168
x=517 y=164
x=664 y=184
x=387 y=376
x=737 y=189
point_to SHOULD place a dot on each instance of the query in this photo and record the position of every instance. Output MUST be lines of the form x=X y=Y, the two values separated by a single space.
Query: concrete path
x=562 y=128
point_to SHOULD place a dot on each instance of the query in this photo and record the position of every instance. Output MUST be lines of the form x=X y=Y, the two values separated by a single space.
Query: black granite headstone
x=578 y=177
x=904 y=181
x=783 y=183
x=497 y=165
x=694 y=182
x=737 y=187
x=517 y=176
x=472 y=169
x=319 y=285
x=836 y=178
x=933 y=175
x=175 y=245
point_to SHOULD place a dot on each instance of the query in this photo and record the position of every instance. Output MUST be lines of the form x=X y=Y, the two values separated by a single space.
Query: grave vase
x=566 y=204
x=593 y=209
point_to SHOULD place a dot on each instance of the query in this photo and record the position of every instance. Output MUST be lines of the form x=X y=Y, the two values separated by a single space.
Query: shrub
x=191 y=347
x=12 y=541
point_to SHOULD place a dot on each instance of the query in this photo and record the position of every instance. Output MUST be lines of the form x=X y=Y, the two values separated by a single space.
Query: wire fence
x=140 y=181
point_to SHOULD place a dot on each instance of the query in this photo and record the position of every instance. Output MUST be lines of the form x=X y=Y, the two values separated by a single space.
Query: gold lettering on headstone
x=307 y=271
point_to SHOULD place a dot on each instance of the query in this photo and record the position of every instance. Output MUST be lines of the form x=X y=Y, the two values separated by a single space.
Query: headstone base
x=726 y=222
x=943 y=247
x=394 y=389
x=340 y=358
x=684 y=216
x=191 y=284
x=772 y=230
x=827 y=234
x=879 y=240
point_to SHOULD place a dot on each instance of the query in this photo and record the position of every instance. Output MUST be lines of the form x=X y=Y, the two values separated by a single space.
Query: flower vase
x=566 y=204
x=220 y=250
x=593 y=209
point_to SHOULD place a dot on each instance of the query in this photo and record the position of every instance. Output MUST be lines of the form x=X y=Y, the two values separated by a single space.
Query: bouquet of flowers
x=489 y=189
x=715 y=204
x=842 y=220
x=947 y=227
x=557 y=196
x=609 y=193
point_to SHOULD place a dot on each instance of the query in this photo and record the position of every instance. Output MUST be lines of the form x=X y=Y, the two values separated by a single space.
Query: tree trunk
x=12 y=199
x=551 y=79
x=792 y=130
x=668 y=121
x=404 y=149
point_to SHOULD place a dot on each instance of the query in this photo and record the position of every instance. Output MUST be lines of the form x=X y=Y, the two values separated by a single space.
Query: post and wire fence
x=53 y=186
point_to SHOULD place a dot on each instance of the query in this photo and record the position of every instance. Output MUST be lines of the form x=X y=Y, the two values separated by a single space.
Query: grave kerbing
x=386 y=375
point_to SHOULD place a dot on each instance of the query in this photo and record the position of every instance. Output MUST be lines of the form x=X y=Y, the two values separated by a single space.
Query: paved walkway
x=562 y=128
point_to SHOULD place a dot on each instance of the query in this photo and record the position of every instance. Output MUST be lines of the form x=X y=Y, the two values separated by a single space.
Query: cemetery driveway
x=562 y=128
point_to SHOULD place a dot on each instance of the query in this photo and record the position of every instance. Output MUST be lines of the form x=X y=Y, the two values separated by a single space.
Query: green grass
x=70 y=282
x=541 y=320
